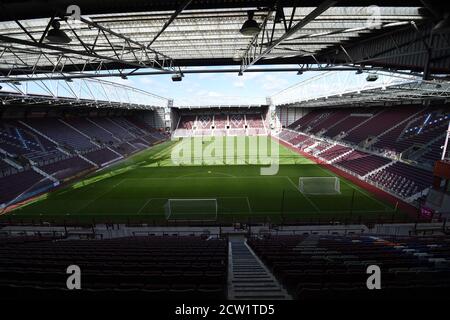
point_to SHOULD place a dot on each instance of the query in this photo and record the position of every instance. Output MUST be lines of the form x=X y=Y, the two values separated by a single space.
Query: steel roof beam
x=171 y=19
x=250 y=59
x=194 y=71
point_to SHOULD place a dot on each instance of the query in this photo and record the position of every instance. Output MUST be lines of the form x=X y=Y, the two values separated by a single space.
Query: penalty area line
x=303 y=195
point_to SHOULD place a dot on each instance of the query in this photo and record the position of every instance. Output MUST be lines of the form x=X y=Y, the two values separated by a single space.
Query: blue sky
x=223 y=88
x=217 y=88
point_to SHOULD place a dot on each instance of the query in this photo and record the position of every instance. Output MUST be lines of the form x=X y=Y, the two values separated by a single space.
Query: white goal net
x=319 y=185
x=191 y=209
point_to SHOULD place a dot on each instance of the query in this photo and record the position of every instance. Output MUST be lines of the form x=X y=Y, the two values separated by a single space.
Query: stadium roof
x=165 y=35
x=79 y=93
x=338 y=89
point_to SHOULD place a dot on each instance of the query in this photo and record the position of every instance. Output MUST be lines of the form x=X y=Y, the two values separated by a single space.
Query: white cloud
x=147 y=80
x=273 y=82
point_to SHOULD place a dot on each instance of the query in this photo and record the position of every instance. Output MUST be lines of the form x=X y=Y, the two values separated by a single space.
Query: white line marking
x=145 y=204
x=101 y=195
x=249 y=206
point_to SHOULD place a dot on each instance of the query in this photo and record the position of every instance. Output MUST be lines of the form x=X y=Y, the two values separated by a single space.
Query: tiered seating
x=204 y=122
x=403 y=179
x=220 y=121
x=43 y=150
x=380 y=123
x=287 y=135
x=236 y=124
x=301 y=123
x=425 y=128
x=345 y=125
x=236 y=121
x=24 y=145
x=255 y=125
x=156 y=267
x=125 y=148
x=124 y=123
x=95 y=132
x=414 y=133
x=334 y=152
x=298 y=139
x=6 y=169
x=435 y=152
x=61 y=133
x=141 y=129
x=114 y=128
x=16 y=140
x=334 y=267
x=101 y=156
x=321 y=147
x=254 y=121
x=16 y=184
x=328 y=119
x=66 y=168
x=146 y=128
x=187 y=122
x=361 y=163
x=220 y=124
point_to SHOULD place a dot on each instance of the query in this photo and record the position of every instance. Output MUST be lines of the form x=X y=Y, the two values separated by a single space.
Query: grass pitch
x=138 y=188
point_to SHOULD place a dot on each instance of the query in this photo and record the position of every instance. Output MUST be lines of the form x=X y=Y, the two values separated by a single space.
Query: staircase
x=341 y=156
x=45 y=174
x=248 y=278
x=326 y=149
x=311 y=147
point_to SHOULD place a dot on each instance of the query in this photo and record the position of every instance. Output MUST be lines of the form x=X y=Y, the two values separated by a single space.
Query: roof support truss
x=126 y=52
x=256 y=51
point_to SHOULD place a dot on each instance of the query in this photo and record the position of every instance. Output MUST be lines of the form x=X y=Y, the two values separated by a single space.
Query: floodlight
x=250 y=27
x=56 y=35
x=177 y=77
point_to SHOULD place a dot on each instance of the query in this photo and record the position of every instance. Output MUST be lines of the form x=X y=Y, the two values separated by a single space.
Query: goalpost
x=319 y=185
x=191 y=209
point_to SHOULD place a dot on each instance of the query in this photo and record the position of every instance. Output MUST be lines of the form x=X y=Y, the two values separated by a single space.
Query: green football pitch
x=225 y=171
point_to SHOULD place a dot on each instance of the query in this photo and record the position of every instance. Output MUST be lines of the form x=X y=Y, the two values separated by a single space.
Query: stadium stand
x=309 y=266
x=14 y=185
x=333 y=266
x=361 y=163
x=354 y=96
x=394 y=148
x=157 y=267
x=210 y=122
x=403 y=179
x=58 y=131
x=64 y=148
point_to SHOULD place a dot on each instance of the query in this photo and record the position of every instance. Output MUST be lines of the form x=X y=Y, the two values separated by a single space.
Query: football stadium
x=202 y=151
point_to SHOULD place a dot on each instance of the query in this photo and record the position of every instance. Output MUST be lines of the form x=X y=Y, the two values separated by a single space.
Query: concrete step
x=248 y=277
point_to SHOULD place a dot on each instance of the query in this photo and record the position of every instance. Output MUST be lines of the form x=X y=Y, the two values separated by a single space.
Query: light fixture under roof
x=177 y=77
x=250 y=27
x=56 y=35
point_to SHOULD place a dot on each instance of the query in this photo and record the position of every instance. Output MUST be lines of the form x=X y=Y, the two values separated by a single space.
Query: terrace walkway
x=248 y=278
